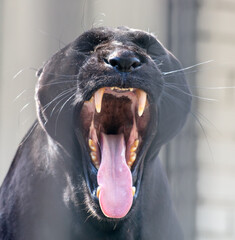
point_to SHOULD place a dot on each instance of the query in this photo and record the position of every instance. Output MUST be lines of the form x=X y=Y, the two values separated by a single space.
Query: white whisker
x=24 y=107
x=187 y=68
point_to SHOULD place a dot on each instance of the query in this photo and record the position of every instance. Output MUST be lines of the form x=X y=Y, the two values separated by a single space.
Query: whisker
x=217 y=88
x=68 y=75
x=61 y=75
x=23 y=70
x=206 y=120
x=173 y=99
x=83 y=16
x=62 y=109
x=64 y=96
x=55 y=83
x=53 y=37
x=24 y=107
x=186 y=68
x=200 y=87
x=18 y=73
x=188 y=94
x=18 y=96
x=204 y=133
x=29 y=133
x=58 y=96
x=180 y=104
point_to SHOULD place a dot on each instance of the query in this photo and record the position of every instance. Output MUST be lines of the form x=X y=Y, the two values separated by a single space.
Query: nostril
x=136 y=63
x=115 y=62
x=124 y=64
x=106 y=60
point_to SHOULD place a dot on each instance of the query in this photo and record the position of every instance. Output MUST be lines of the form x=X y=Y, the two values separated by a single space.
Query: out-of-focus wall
x=150 y=16
x=31 y=31
x=216 y=142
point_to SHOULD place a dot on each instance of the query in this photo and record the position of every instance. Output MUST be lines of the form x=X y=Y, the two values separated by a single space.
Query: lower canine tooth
x=133 y=190
x=98 y=192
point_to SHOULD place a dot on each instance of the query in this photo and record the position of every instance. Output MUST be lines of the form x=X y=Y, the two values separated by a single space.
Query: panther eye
x=143 y=40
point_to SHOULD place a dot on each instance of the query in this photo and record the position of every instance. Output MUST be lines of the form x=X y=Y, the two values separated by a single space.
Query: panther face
x=108 y=99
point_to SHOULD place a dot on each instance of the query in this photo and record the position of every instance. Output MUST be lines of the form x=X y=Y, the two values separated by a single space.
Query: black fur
x=47 y=193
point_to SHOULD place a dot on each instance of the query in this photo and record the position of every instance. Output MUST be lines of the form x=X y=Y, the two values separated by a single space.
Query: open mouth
x=115 y=123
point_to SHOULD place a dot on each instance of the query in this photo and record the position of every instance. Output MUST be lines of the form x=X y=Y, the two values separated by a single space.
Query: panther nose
x=124 y=63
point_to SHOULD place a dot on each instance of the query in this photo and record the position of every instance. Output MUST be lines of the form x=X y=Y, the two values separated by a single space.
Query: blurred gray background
x=200 y=161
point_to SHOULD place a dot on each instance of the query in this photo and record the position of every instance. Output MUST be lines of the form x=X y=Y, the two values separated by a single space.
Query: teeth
x=122 y=89
x=98 y=99
x=134 y=145
x=93 y=153
x=93 y=156
x=142 y=97
x=133 y=190
x=98 y=192
x=91 y=99
x=95 y=160
x=97 y=165
x=131 y=159
x=132 y=156
x=92 y=145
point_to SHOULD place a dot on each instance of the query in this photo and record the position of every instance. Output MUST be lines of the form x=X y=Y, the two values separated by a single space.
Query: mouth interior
x=114 y=122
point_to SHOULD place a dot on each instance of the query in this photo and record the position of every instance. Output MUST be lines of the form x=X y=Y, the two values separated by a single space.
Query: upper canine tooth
x=142 y=97
x=98 y=99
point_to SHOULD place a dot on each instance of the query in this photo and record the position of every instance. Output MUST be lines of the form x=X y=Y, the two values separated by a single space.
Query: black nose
x=125 y=63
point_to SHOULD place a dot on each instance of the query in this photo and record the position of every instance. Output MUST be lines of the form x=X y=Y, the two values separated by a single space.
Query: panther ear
x=39 y=72
x=54 y=96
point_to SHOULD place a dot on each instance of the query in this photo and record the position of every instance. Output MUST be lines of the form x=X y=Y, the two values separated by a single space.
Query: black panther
x=89 y=167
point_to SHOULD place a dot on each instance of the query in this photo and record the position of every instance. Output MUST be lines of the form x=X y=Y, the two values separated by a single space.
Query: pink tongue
x=114 y=177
